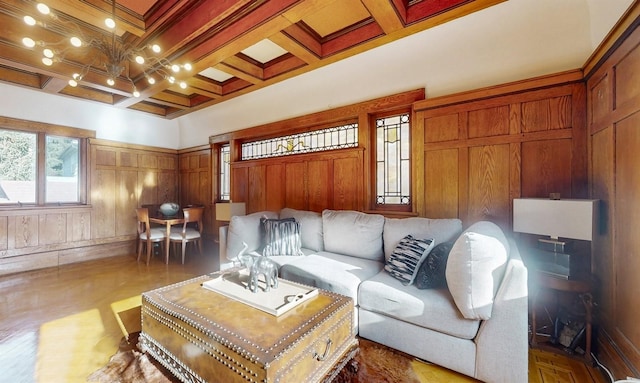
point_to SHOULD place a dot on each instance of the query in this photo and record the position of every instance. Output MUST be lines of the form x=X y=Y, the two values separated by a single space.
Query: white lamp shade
x=224 y=211
x=566 y=218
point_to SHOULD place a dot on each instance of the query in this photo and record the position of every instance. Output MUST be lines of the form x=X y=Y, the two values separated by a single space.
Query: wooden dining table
x=167 y=221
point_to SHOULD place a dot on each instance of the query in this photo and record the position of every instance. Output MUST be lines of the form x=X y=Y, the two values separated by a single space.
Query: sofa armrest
x=502 y=341
x=225 y=263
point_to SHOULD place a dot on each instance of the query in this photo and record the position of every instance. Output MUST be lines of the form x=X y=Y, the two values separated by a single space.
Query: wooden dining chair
x=147 y=235
x=186 y=233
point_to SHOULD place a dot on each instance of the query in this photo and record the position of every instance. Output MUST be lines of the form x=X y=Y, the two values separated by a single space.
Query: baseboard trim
x=612 y=357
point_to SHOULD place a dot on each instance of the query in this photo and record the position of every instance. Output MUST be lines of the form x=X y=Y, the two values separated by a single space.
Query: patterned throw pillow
x=405 y=260
x=281 y=237
x=431 y=274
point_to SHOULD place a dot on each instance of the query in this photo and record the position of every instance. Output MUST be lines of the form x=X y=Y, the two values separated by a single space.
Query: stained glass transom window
x=392 y=160
x=338 y=137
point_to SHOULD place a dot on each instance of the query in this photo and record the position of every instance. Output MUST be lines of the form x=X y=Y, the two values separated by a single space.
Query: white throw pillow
x=475 y=268
x=353 y=233
x=310 y=227
x=246 y=228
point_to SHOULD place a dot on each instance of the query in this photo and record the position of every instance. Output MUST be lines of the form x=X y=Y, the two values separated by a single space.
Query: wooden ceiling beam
x=244 y=66
x=53 y=84
x=295 y=48
x=385 y=14
x=95 y=15
x=171 y=99
x=206 y=85
x=238 y=73
x=149 y=107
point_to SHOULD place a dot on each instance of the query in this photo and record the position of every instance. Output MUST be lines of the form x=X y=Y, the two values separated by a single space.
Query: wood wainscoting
x=121 y=177
x=613 y=116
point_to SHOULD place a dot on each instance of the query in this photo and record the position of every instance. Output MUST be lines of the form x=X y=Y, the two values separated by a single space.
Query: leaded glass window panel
x=225 y=172
x=393 y=160
x=338 y=137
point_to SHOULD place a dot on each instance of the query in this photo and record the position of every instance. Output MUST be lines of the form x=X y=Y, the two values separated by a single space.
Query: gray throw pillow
x=431 y=274
x=405 y=260
x=281 y=237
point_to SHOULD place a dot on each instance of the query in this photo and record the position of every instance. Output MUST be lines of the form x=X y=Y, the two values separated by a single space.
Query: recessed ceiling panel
x=337 y=16
x=215 y=74
x=264 y=51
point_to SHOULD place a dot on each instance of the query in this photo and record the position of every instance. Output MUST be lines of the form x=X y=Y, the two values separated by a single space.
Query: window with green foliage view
x=20 y=180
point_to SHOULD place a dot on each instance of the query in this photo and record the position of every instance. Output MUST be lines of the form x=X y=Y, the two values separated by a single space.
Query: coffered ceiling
x=234 y=47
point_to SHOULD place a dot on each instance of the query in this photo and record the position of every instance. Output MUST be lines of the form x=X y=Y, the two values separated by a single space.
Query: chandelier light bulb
x=171 y=79
x=156 y=48
x=73 y=83
x=75 y=41
x=136 y=94
x=187 y=66
x=76 y=77
x=151 y=80
x=109 y=23
x=111 y=81
x=28 y=42
x=48 y=53
x=29 y=20
x=139 y=59
x=47 y=61
x=183 y=85
x=42 y=8
x=175 y=68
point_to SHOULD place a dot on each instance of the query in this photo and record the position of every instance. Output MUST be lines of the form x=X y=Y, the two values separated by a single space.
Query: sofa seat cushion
x=441 y=230
x=353 y=233
x=339 y=273
x=433 y=309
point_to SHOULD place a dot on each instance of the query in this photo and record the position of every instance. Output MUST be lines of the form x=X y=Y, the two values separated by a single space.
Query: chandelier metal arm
x=113 y=51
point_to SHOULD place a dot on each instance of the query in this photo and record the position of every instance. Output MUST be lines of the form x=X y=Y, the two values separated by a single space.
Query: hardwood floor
x=59 y=324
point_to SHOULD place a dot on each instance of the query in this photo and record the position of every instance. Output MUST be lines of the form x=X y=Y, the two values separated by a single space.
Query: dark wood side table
x=581 y=287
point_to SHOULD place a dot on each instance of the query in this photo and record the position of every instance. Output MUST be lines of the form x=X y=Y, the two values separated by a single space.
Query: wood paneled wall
x=475 y=152
x=613 y=90
x=336 y=179
x=195 y=182
x=306 y=182
x=121 y=178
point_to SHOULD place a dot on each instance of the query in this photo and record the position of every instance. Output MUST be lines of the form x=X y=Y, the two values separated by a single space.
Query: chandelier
x=113 y=55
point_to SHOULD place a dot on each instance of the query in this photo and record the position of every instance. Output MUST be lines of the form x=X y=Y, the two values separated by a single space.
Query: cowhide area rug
x=373 y=363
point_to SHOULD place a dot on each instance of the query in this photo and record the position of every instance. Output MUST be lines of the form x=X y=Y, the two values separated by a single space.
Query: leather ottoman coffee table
x=204 y=336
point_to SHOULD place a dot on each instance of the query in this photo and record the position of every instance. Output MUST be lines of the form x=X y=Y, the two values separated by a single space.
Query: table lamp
x=556 y=218
x=226 y=210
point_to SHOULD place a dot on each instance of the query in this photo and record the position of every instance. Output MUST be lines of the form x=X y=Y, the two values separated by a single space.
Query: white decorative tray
x=276 y=301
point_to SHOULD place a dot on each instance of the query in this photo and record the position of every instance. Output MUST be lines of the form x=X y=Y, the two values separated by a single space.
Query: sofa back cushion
x=246 y=228
x=353 y=233
x=441 y=230
x=310 y=227
x=475 y=268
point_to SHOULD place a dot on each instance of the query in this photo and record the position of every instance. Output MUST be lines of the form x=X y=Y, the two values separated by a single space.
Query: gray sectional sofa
x=476 y=324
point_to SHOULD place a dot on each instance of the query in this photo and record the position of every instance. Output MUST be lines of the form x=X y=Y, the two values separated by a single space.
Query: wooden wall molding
x=627 y=23
x=34 y=126
x=302 y=123
x=549 y=81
